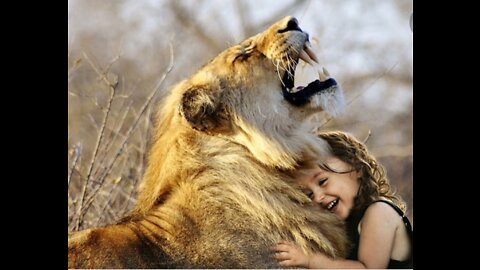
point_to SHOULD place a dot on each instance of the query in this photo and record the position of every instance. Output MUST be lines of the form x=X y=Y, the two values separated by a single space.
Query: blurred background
x=119 y=66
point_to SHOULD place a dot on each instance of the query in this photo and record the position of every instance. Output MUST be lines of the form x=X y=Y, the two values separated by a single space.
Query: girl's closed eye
x=322 y=182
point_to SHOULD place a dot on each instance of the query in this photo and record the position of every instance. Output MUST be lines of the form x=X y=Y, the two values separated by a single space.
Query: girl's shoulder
x=379 y=219
x=392 y=205
x=383 y=211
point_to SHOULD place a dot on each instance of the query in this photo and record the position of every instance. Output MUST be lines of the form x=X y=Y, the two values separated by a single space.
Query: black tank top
x=352 y=229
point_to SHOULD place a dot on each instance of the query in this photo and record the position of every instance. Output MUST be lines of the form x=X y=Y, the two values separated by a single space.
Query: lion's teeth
x=307 y=48
x=305 y=57
x=326 y=72
x=321 y=76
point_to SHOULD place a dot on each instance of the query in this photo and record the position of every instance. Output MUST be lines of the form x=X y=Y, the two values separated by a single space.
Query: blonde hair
x=373 y=182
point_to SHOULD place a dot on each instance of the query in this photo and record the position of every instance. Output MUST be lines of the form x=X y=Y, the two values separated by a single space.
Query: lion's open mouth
x=300 y=95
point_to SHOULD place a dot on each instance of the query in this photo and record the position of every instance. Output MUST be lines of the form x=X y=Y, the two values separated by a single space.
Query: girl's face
x=333 y=191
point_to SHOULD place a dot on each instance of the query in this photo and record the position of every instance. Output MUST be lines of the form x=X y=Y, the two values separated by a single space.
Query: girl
x=353 y=185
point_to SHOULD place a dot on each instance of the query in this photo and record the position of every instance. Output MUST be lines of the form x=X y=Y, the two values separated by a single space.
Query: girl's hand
x=289 y=254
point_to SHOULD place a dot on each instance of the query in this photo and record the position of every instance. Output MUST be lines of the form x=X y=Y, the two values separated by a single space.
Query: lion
x=219 y=189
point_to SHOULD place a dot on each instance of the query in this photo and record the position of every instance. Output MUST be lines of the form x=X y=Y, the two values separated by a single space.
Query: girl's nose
x=318 y=197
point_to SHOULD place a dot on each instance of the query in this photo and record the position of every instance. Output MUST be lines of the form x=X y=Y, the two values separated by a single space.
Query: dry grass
x=102 y=180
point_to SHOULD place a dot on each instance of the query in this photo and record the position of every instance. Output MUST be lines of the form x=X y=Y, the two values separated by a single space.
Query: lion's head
x=247 y=93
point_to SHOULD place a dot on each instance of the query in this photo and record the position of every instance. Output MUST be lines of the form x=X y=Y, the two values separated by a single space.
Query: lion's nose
x=291 y=25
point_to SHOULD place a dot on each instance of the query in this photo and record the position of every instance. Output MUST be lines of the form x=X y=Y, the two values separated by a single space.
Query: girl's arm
x=289 y=254
x=375 y=248
x=377 y=231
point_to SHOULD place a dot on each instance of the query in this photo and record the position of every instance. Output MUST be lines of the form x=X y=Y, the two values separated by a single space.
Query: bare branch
x=92 y=119
x=112 y=87
x=368 y=136
x=375 y=79
x=110 y=143
x=115 y=59
x=141 y=170
x=74 y=163
x=115 y=183
x=130 y=131
x=75 y=66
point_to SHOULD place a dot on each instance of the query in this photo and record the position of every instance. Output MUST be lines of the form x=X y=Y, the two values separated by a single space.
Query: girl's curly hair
x=373 y=182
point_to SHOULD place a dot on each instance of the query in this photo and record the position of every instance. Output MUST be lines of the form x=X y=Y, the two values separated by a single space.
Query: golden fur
x=218 y=191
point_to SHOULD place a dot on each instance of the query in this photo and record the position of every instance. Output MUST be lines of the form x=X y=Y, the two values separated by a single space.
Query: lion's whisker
x=278 y=73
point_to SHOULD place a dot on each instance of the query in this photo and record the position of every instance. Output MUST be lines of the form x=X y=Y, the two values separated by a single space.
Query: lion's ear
x=204 y=110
